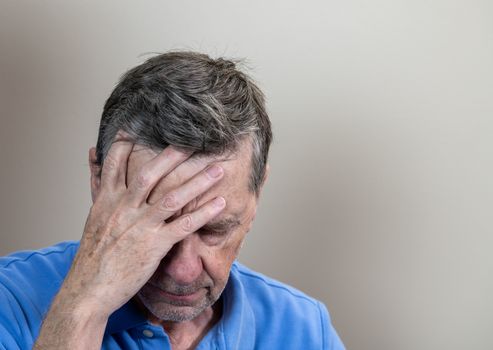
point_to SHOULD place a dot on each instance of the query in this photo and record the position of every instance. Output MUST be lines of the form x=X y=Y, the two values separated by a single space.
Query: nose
x=183 y=263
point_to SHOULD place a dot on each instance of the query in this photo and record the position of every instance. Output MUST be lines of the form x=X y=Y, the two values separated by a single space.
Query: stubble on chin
x=173 y=311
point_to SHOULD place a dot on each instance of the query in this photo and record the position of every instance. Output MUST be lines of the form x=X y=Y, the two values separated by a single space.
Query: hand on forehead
x=182 y=173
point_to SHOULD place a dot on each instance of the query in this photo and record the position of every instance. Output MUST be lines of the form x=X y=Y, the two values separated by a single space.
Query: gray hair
x=190 y=101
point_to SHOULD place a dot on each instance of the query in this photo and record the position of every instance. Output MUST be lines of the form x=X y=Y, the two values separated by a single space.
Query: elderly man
x=176 y=175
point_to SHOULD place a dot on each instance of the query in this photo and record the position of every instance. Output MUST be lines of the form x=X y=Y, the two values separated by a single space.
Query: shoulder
x=299 y=318
x=37 y=269
x=263 y=289
x=24 y=258
x=28 y=282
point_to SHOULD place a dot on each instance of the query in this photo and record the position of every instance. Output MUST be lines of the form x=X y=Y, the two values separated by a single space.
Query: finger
x=152 y=171
x=114 y=172
x=189 y=223
x=178 y=198
x=182 y=173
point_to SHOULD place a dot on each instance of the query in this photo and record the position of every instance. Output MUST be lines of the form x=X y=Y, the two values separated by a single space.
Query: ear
x=264 y=180
x=95 y=173
x=266 y=174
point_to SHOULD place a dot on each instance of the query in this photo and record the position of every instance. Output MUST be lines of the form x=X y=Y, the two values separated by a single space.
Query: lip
x=184 y=298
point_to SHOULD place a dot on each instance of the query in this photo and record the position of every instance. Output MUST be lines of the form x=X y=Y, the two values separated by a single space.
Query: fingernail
x=214 y=171
x=219 y=202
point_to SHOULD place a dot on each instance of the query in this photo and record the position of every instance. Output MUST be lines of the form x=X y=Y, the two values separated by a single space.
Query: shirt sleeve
x=12 y=323
x=7 y=342
x=331 y=340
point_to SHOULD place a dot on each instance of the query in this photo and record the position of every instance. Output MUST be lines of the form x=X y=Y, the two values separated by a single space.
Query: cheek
x=217 y=260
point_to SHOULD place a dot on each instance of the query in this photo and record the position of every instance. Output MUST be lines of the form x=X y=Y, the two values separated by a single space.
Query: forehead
x=234 y=186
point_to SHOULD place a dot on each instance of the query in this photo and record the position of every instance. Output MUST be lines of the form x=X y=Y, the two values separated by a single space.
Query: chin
x=173 y=311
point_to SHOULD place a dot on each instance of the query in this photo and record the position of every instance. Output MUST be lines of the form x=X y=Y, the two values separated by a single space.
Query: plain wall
x=380 y=197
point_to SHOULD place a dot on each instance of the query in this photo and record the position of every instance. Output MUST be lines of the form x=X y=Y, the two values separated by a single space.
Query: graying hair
x=190 y=101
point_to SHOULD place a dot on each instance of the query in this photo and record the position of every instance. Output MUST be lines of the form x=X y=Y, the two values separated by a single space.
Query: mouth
x=189 y=298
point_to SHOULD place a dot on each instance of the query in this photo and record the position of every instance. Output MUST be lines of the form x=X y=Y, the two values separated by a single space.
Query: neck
x=188 y=334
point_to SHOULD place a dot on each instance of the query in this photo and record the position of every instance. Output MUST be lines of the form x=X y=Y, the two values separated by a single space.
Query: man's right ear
x=95 y=173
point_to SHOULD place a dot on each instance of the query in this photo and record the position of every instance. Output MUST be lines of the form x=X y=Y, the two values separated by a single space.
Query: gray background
x=380 y=196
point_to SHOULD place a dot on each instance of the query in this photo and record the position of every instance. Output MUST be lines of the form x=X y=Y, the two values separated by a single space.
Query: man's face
x=192 y=276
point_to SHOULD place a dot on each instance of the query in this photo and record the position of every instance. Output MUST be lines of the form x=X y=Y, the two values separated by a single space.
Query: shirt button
x=148 y=333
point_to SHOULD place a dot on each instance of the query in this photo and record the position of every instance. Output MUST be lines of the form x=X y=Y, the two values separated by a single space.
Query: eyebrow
x=222 y=225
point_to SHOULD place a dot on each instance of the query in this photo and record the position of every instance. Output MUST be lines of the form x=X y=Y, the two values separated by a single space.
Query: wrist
x=82 y=300
x=71 y=325
x=79 y=306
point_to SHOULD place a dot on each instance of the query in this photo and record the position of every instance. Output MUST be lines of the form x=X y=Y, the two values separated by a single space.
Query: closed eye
x=213 y=237
x=219 y=228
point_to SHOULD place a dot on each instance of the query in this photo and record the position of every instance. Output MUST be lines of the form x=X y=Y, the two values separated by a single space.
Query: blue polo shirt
x=258 y=312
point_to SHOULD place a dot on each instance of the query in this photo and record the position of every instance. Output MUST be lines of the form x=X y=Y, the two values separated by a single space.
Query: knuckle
x=143 y=180
x=170 y=202
x=186 y=224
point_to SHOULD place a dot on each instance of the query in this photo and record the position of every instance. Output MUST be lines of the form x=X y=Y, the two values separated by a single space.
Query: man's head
x=192 y=101
x=207 y=106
